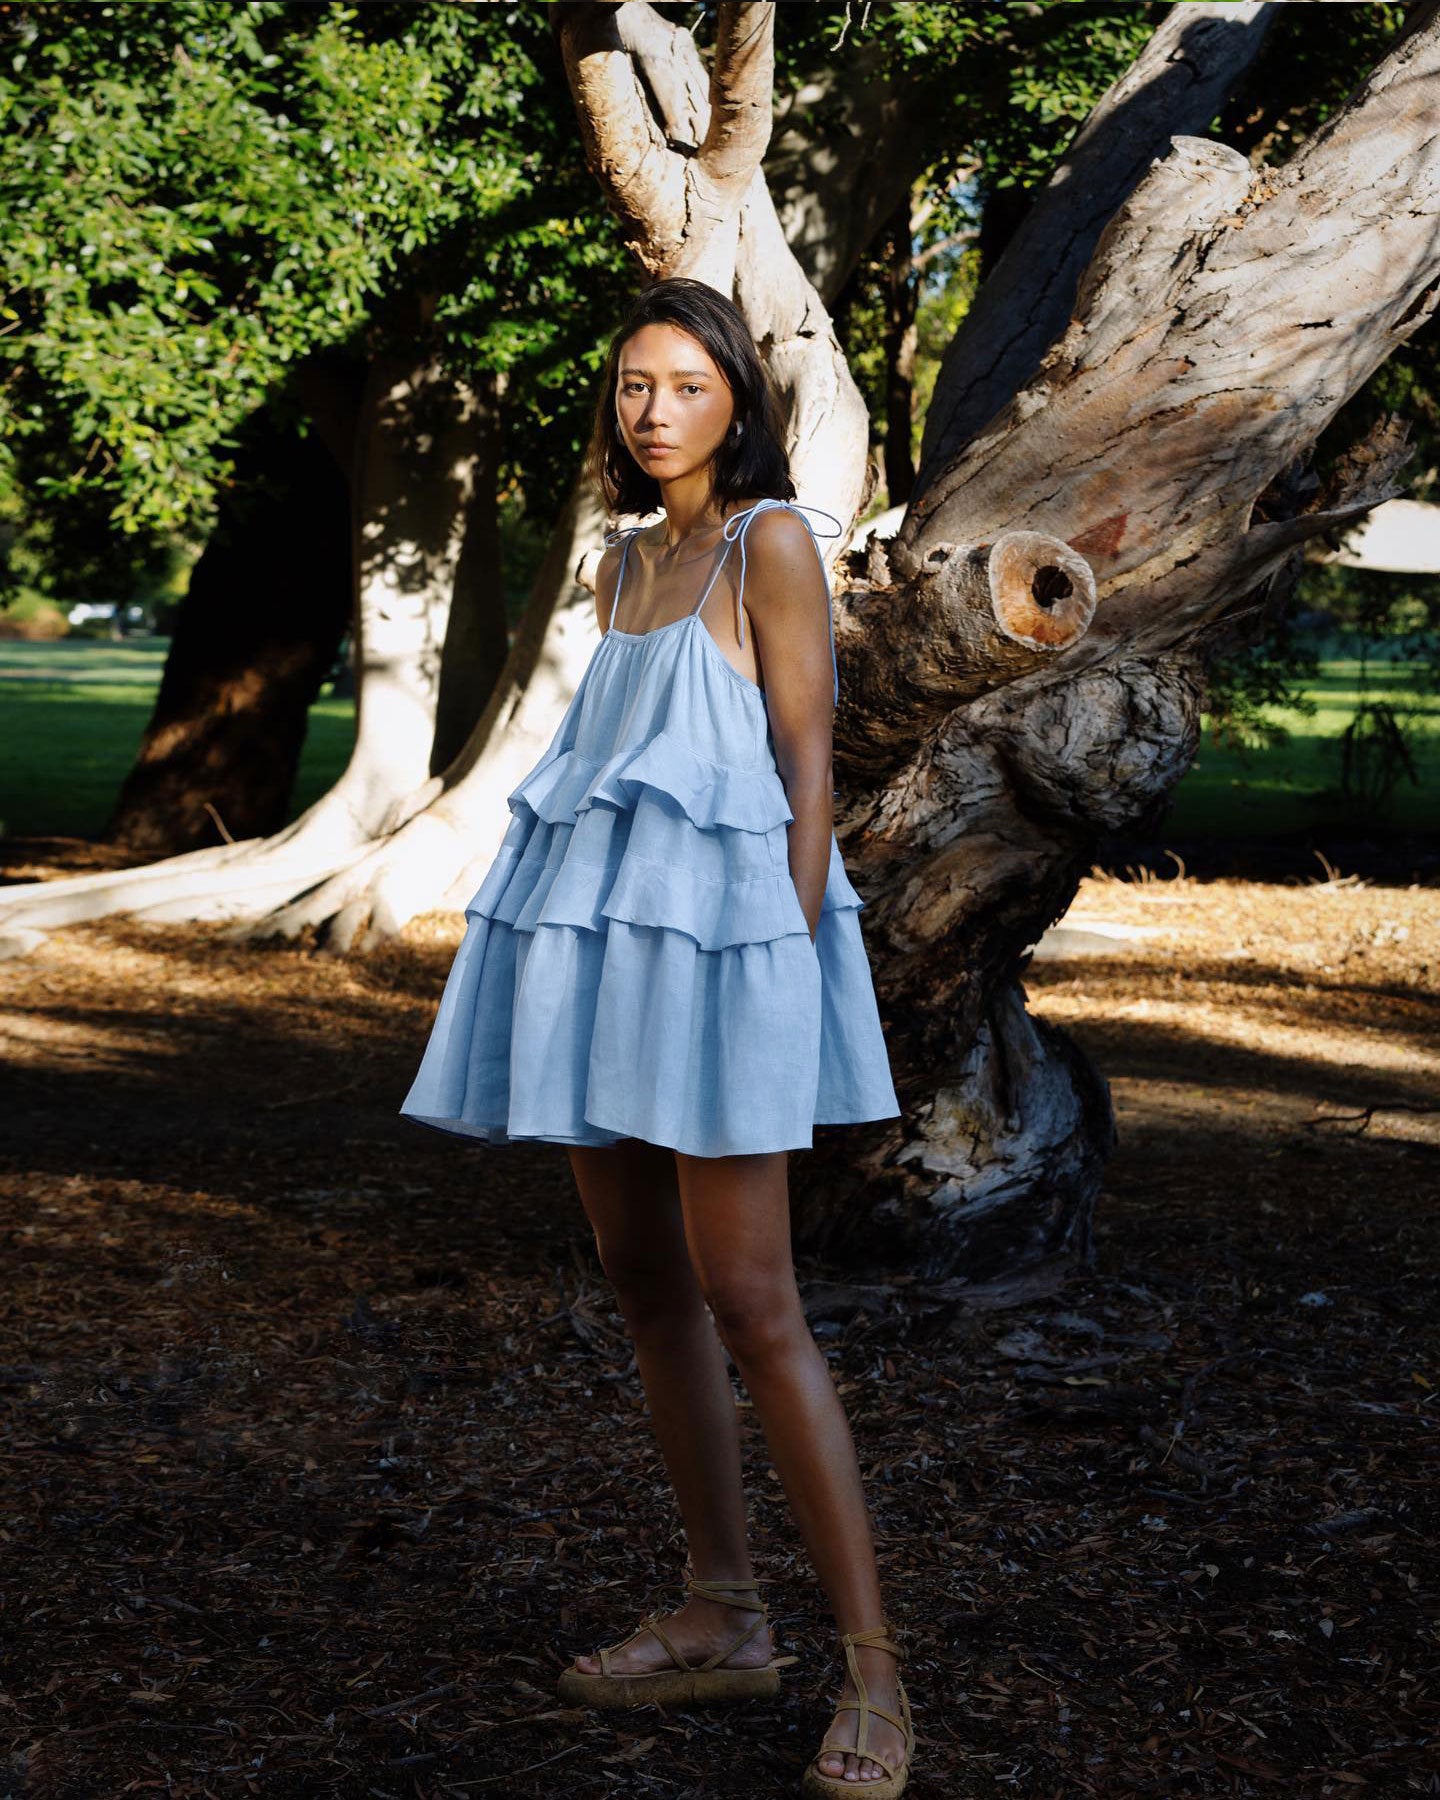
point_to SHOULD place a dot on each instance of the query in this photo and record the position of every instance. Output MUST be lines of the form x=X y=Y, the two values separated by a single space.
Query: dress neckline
x=733 y=530
x=639 y=637
x=654 y=631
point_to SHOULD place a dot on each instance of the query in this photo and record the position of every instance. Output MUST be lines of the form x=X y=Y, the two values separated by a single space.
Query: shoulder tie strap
x=611 y=538
x=737 y=526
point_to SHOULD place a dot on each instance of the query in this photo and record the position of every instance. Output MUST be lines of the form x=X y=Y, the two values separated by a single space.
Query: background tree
x=243 y=223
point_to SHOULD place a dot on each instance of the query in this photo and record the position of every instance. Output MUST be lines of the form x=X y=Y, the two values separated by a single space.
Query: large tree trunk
x=1153 y=460
x=266 y=607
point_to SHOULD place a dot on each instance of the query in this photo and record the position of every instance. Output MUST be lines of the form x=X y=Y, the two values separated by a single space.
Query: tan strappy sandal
x=884 y=1787
x=684 y=1684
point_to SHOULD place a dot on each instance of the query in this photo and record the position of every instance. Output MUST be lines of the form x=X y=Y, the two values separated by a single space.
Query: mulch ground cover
x=325 y=1451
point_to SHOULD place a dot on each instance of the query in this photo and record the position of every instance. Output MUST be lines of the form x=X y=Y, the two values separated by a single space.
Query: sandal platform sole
x=670 y=1687
x=825 y=1787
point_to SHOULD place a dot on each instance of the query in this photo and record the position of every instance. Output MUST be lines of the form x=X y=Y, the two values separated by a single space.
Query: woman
x=664 y=971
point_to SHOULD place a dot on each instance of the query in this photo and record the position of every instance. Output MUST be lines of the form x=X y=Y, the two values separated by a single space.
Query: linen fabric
x=636 y=962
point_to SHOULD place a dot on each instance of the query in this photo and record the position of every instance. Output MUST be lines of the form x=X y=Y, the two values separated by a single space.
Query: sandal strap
x=870 y=1707
x=651 y=1624
x=880 y=1637
x=715 y=1590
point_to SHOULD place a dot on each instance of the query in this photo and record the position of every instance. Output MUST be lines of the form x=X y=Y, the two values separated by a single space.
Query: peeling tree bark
x=1222 y=318
x=1196 y=56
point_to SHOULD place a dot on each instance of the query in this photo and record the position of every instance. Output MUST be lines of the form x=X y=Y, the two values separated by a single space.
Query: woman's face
x=670 y=393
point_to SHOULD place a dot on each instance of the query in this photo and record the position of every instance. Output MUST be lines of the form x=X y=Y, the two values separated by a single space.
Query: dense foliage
x=201 y=195
x=204 y=194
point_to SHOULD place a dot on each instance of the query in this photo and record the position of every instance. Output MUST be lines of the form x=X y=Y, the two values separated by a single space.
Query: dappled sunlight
x=331 y=1345
x=1256 y=1006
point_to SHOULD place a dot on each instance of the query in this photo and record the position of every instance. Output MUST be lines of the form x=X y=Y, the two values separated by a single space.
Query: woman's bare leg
x=631 y=1198
x=737 y=1224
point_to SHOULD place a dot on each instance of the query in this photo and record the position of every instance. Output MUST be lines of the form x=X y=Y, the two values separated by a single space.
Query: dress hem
x=499 y=1134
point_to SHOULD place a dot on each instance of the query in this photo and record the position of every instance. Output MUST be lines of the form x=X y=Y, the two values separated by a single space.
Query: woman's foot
x=697 y=1630
x=878 y=1669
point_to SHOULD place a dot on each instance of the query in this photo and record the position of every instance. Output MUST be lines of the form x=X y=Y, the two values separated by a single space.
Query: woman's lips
x=658 y=449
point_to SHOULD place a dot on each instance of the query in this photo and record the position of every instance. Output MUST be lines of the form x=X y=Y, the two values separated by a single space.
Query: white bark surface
x=414 y=464
x=677 y=152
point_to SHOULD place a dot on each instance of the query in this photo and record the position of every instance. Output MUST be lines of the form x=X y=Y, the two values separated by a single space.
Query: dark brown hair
x=752 y=465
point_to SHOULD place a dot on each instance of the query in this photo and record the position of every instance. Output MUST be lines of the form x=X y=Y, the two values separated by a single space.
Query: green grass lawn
x=1257 y=792
x=72 y=713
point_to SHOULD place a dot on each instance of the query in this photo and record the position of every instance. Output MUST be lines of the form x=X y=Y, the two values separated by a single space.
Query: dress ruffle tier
x=636 y=962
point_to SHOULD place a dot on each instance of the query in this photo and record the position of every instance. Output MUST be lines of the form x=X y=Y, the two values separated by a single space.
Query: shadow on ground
x=327 y=1451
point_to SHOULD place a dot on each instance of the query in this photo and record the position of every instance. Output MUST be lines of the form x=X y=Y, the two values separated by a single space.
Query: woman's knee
x=652 y=1281
x=757 y=1318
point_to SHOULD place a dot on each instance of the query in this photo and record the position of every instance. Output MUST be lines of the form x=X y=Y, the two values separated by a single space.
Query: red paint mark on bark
x=1103 y=538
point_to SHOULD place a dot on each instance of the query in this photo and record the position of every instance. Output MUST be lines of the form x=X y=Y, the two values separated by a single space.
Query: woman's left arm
x=787 y=599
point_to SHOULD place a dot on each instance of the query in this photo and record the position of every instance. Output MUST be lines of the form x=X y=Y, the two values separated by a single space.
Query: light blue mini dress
x=636 y=963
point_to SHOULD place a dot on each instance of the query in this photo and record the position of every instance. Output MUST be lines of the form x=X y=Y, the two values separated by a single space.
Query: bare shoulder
x=777 y=527
x=787 y=595
x=783 y=573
